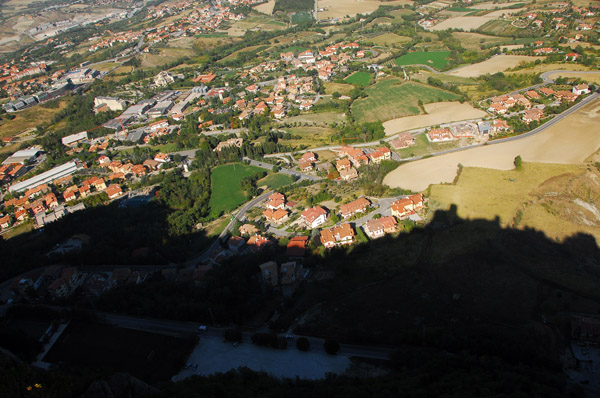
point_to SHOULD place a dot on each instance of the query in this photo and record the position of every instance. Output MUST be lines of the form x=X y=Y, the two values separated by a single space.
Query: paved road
x=239 y=216
x=283 y=170
x=176 y=328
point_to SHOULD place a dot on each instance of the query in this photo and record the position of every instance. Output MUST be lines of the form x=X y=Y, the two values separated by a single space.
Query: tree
x=303 y=344
x=518 y=162
x=275 y=169
x=331 y=347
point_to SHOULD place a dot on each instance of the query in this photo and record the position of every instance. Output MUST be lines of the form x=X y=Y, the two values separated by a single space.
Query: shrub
x=302 y=344
x=331 y=347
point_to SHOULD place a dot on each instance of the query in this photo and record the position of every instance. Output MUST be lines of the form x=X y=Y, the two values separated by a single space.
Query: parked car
x=202 y=328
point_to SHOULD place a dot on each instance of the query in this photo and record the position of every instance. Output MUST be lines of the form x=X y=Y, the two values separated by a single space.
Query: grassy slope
x=544 y=193
x=275 y=181
x=392 y=98
x=226 y=193
x=359 y=78
x=437 y=59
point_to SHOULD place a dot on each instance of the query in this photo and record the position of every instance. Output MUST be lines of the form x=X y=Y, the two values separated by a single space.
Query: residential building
x=339 y=235
x=531 y=115
x=349 y=174
x=275 y=216
x=270 y=274
x=378 y=227
x=297 y=247
x=314 y=216
x=581 y=89
x=359 y=205
x=440 y=135
x=114 y=191
x=257 y=243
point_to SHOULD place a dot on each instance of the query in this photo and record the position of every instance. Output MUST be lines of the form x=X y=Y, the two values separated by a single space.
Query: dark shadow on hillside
x=112 y=235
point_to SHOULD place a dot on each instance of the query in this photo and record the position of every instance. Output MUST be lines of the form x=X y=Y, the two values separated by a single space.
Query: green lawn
x=226 y=193
x=275 y=181
x=359 y=78
x=437 y=59
x=392 y=98
x=302 y=16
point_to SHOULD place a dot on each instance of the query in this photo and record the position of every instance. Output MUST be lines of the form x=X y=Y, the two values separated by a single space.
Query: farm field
x=576 y=132
x=266 y=8
x=317 y=118
x=226 y=193
x=359 y=78
x=341 y=8
x=388 y=39
x=466 y=23
x=547 y=67
x=589 y=77
x=474 y=41
x=436 y=59
x=263 y=22
x=497 y=63
x=392 y=98
x=275 y=181
x=148 y=356
x=437 y=113
x=310 y=136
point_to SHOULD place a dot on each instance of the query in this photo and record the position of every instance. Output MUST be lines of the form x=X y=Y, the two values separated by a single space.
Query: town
x=340 y=174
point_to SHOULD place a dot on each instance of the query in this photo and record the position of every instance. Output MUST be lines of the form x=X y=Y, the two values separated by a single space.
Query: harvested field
x=497 y=63
x=392 y=98
x=437 y=113
x=547 y=67
x=577 y=132
x=266 y=8
x=589 y=77
x=466 y=23
x=493 y=5
x=341 y=8
x=474 y=41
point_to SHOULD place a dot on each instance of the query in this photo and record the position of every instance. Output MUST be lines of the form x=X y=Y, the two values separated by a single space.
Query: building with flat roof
x=24 y=155
x=46 y=177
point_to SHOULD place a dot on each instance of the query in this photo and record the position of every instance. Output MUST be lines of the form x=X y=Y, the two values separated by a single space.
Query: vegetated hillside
x=293 y=5
x=472 y=286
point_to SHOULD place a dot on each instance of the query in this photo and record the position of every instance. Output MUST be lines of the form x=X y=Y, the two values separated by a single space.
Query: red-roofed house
x=297 y=246
x=314 y=216
x=359 y=205
x=339 y=235
x=381 y=226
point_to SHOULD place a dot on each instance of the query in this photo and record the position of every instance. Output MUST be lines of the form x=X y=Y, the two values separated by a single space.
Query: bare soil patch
x=466 y=23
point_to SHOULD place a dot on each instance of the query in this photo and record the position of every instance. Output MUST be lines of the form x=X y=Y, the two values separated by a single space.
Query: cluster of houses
x=201 y=19
x=501 y=105
x=350 y=159
x=283 y=276
x=561 y=17
x=118 y=38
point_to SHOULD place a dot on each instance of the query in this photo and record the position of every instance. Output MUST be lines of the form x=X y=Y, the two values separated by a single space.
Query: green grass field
x=226 y=193
x=392 y=98
x=275 y=181
x=301 y=17
x=359 y=78
x=437 y=59
x=460 y=9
